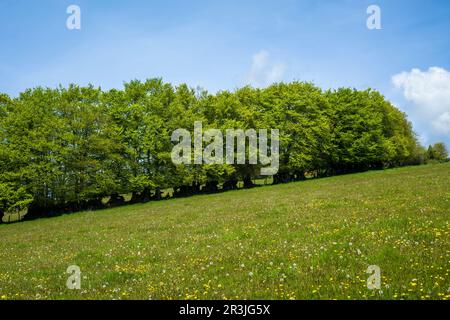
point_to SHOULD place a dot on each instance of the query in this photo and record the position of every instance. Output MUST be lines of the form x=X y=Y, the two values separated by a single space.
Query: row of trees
x=68 y=149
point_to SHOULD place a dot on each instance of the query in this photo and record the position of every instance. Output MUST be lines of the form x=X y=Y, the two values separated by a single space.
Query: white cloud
x=429 y=92
x=442 y=124
x=264 y=73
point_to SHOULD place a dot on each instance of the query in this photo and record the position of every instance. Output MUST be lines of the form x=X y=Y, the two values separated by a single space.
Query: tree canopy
x=69 y=149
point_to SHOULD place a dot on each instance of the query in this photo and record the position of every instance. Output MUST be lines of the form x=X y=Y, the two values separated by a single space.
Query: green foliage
x=13 y=199
x=70 y=148
x=437 y=152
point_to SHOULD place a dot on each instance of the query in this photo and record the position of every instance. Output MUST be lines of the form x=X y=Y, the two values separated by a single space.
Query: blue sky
x=227 y=44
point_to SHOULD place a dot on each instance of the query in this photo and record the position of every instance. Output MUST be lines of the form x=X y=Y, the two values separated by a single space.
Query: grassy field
x=306 y=240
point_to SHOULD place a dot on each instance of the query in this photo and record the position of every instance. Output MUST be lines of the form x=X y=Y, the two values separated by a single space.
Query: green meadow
x=313 y=239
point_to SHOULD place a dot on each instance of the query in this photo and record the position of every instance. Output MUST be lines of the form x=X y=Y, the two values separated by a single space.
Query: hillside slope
x=311 y=239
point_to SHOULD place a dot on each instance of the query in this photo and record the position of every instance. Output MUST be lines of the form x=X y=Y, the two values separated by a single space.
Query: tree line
x=69 y=149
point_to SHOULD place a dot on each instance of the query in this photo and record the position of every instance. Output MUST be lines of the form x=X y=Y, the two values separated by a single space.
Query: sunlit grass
x=306 y=240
